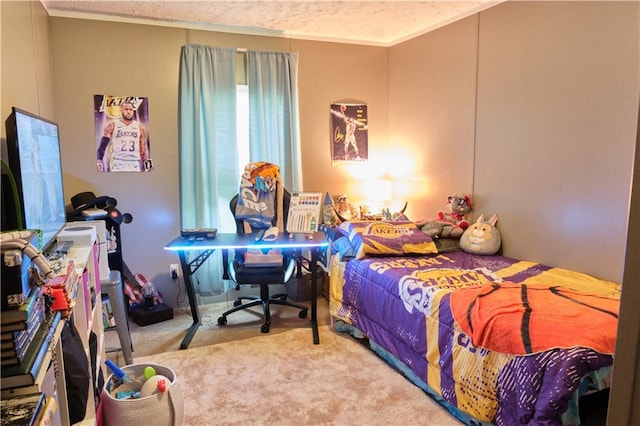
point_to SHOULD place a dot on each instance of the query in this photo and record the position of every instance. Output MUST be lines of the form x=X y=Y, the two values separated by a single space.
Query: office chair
x=264 y=276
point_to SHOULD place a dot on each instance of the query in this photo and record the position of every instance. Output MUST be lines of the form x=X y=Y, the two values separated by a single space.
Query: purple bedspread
x=403 y=304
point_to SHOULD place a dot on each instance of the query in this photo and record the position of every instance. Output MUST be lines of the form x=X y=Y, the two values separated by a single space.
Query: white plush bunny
x=482 y=237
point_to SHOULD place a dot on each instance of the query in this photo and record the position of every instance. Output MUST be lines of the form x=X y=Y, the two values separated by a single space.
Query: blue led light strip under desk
x=204 y=248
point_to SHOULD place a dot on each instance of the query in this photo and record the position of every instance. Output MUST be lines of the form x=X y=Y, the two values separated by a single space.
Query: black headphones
x=86 y=200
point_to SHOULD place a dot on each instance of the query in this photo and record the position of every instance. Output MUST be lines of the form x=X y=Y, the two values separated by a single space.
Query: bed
x=494 y=340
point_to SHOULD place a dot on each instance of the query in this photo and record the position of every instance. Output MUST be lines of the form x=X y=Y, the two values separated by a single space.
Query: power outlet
x=173 y=271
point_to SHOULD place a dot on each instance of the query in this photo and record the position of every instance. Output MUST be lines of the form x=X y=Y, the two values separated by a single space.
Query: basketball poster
x=349 y=133
x=122 y=134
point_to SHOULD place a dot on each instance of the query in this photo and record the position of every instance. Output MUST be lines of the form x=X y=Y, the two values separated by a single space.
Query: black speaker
x=7 y=205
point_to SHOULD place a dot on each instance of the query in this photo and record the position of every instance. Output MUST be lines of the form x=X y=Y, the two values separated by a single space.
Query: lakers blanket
x=501 y=360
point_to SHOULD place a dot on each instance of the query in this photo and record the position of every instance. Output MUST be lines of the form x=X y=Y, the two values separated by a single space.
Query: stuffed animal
x=329 y=215
x=482 y=237
x=345 y=210
x=452 y=223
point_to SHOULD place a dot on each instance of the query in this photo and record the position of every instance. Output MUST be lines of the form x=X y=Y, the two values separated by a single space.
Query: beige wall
x=556 y=123
x=332 y=72
x=432 y=90
x=529 y=106
x=26 y=75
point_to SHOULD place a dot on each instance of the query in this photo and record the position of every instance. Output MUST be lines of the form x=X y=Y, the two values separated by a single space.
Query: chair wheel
x=265 y=328
x=237 y=302
x=303 y=313
x=222 y=321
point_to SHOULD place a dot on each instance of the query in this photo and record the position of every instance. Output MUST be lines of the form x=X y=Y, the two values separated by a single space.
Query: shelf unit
x=87 y=317
x=113 y=272
x=47 y=381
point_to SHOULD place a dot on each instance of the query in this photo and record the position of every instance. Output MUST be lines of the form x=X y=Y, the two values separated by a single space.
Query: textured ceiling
x=367 y=22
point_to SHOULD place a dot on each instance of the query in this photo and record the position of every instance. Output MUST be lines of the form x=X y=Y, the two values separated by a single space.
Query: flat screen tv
x=33 y=149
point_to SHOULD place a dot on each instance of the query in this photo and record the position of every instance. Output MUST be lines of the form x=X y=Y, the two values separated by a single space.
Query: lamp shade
x=378 y=190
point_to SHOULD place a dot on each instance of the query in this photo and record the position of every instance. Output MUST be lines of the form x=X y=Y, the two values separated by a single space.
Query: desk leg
x=314 y=300
x=193 y=302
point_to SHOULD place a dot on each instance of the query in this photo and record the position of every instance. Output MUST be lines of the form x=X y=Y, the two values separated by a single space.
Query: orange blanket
x=522 y=319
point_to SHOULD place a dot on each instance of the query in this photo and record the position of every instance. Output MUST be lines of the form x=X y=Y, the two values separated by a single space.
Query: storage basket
x=161 y=409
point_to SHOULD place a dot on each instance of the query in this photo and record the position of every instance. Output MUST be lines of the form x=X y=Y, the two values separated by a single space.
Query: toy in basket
x=141 y=393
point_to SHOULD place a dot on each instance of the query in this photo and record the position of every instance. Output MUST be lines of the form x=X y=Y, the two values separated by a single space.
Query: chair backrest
x=240 y=229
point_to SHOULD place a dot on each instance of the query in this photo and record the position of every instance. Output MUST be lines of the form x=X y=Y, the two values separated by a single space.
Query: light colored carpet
x=166 y=336
x=237 y=375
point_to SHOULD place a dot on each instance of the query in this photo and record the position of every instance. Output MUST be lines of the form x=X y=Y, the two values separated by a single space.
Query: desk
x=204 y=248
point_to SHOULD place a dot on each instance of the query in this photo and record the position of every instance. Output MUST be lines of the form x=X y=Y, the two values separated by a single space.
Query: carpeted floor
x=166 y=336
x=237 y=375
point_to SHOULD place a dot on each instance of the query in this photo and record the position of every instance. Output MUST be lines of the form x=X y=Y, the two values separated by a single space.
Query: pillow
x=388 y=238
x=482 y=237
x=343 y=247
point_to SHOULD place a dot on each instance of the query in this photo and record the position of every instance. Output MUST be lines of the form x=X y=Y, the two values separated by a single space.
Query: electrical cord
x=18 y=240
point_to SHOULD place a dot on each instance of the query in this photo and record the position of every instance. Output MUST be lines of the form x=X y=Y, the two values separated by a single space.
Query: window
x=242 y=134
x=242 y=124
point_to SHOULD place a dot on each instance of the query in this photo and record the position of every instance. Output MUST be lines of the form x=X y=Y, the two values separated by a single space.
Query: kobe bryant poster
x=122 y=134
x=349 y=133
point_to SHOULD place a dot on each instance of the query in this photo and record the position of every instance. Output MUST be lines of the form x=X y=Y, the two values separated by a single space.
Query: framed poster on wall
x=122 y=133
x=349 y=133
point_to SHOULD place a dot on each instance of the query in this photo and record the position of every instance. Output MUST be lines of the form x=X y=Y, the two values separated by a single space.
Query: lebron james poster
x=349 y=133
x=122 y=134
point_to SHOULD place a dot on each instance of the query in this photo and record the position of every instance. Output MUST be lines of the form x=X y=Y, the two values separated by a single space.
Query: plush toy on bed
x=345 y=210
x=482 y=237
x=452 y=223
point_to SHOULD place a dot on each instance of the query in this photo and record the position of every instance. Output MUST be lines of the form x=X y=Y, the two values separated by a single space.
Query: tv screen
x=33 y=149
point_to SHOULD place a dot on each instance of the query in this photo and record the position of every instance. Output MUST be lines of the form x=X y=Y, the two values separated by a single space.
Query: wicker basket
x=161 y=409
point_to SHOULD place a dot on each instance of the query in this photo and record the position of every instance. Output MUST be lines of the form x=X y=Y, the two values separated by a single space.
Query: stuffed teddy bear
x=345 y=210
x=452 y=223
x=482 y=237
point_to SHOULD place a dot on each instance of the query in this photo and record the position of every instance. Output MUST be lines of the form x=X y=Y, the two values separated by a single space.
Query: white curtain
x=209 y=172
x=274 y=133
